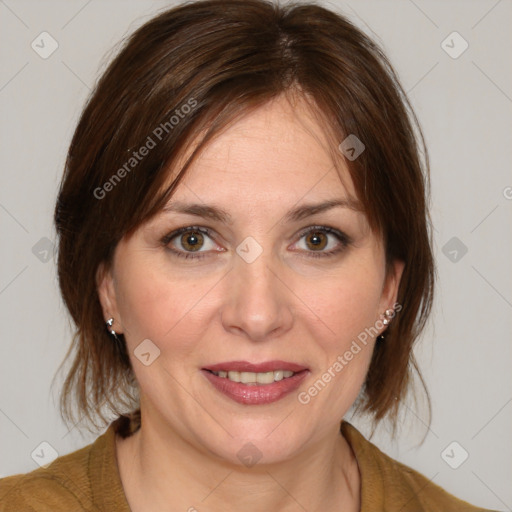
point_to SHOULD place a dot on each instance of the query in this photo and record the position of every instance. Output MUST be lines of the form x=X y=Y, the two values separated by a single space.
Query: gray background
x=464 y=106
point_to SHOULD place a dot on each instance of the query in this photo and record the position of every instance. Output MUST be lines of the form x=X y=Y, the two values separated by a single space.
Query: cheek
x=161 y=306
x=346 y=350
x=346 y=302
x=344 y=306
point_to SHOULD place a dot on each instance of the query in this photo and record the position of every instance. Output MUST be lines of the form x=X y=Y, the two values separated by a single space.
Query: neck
x=160 y=470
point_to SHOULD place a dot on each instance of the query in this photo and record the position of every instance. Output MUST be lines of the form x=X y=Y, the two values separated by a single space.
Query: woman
x=245 y=250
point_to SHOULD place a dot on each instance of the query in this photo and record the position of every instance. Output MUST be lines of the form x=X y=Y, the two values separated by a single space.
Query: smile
x=255 y=379
x=255 y=383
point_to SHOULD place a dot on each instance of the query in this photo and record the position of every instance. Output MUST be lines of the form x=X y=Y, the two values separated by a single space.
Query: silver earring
x=110 y=322
x=388 y=315
x=386 y=320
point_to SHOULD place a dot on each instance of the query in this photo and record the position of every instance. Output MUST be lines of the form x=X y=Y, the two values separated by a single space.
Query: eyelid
x=173 y=234
x=328 y=229
x=343 y=241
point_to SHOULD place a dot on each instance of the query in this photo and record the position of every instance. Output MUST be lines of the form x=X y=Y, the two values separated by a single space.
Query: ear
x=391 y=285
x=107 y=297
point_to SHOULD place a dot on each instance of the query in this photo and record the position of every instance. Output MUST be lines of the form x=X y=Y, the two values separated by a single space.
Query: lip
x=258 y=394
x=245 y=366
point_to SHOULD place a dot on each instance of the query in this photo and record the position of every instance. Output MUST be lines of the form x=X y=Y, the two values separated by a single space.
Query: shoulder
x=38 y=493
x=63 y=485
x=387 y=484
x=86 y=479
x=77 y=481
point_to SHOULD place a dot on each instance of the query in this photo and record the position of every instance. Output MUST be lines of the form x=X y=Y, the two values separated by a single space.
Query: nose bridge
x=256 y=275
x=256 y=303
x=253 y=262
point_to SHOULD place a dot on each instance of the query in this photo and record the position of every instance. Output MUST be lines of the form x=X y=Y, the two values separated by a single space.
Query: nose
x=258 y=303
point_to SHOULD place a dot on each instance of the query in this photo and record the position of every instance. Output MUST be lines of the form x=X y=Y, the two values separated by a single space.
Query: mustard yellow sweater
x=88 y=479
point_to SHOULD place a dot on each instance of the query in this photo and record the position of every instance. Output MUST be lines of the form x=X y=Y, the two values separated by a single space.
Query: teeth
x=265 y=378
x=252 y=379
x=247 y=377
x=234 y=376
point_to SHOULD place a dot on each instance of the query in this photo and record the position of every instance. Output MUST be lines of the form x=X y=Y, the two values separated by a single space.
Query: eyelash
x=342 y=238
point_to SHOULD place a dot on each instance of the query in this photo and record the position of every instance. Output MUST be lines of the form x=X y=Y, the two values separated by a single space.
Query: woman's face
x=262 y=285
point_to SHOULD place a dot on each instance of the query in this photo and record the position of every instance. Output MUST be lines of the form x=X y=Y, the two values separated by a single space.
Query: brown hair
x=194 y=69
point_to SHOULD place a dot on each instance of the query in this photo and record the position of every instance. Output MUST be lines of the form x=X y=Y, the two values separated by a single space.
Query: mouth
x=253 y=384
x=254 y=379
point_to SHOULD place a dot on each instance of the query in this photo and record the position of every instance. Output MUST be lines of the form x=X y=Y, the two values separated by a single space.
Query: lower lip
x=258 y=394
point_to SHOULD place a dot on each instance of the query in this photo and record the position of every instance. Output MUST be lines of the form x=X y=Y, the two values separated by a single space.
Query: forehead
x=276 y=154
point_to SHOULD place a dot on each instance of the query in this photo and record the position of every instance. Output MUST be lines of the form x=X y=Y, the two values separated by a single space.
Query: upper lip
x=245 y=366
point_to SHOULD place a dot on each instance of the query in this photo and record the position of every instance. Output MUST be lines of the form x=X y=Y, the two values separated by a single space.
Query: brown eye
x=322 y=241
x=192 y=240
x=316 y=240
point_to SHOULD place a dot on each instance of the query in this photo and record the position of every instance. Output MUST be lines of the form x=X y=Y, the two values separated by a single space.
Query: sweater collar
x=103 y=470
x=372 y=488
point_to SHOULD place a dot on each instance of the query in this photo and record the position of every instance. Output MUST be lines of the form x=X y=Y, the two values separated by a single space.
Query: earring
x=388 y=315
x=386 y=320
x=110 y=322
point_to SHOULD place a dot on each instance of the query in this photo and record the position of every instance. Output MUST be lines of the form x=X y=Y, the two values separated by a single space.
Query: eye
x=194 y=242
x=318 y=238
x=189 y=241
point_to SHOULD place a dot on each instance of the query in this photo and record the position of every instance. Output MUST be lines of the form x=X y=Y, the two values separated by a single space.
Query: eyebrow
x=297 y=214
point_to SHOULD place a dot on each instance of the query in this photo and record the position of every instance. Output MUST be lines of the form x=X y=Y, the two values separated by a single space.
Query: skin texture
x=287 y=305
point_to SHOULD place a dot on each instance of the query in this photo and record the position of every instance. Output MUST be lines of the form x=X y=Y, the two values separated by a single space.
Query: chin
x=268 y=440
x=256 y=452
